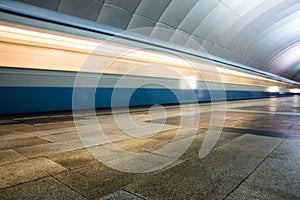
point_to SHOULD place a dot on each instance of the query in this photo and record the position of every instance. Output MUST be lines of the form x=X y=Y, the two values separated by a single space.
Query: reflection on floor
x=253 y=145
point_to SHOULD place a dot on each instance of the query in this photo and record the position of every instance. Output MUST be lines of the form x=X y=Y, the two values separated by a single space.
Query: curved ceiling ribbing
x=263 y=34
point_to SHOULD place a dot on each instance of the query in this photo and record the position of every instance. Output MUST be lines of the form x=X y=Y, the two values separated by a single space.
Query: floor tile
x=50 y=148
x=122 y=195
x=22 y=142
x=44 y=188
x=23 y=171
x=9 y=156
x=95 y=181
x=74 y=159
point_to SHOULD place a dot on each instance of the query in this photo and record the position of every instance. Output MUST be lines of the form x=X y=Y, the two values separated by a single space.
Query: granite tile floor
x=227 y=150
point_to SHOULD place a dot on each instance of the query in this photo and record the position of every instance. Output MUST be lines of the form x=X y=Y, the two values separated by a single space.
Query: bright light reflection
x=273 y=89
x=295 y=90
x=192 y=81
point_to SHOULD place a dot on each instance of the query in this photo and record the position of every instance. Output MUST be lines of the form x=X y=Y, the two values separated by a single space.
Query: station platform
x=251 y=151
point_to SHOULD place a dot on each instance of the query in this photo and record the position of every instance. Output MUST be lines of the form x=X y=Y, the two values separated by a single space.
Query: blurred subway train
x=54 y=62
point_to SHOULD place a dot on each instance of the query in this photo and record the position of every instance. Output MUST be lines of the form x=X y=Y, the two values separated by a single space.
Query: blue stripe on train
x=44 y=99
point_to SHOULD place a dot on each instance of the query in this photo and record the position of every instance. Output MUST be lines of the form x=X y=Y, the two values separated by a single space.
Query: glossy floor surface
x=253 y=151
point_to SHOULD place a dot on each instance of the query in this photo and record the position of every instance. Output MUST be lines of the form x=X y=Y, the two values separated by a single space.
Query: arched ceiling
x=263 y=34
